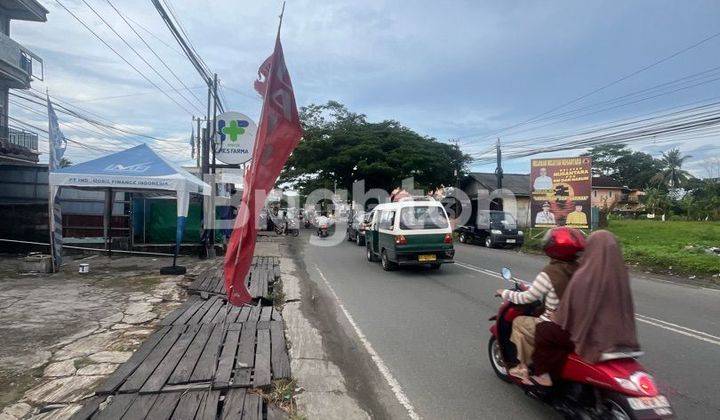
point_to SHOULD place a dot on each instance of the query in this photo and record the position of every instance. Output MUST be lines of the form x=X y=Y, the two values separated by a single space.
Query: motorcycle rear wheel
x=617 y=408
x=496 y=360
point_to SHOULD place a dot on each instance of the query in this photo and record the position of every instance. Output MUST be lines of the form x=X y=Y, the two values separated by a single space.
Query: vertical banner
x=279 y=132
x=58 y=144
x=561 y=190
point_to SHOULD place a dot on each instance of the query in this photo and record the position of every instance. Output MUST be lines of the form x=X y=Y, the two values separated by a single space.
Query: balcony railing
x=26 y=139
x=20 y=58
x=18 y=145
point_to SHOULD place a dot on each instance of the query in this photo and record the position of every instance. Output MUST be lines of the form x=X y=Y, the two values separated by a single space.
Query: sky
x=453 y=70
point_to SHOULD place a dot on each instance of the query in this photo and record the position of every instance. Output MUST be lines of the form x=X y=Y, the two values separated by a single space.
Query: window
x=595 y=193
x=609 y=193
x=423 y=217
x=387 y=220
x=483 y=220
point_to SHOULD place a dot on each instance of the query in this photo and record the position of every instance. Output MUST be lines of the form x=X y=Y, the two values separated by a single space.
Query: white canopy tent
x=137 y=169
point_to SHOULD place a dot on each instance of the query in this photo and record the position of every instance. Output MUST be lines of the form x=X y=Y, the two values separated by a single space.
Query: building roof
x=605 y=182
x=519 y=184
x=23 y=10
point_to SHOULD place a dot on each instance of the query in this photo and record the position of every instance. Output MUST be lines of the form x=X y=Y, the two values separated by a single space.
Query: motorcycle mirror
x=506 y=273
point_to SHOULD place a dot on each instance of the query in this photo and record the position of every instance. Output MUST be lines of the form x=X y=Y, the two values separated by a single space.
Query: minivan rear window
x=422 y=217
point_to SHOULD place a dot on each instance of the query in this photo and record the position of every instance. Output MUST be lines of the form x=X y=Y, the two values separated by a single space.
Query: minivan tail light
x=448 y=238
x=400 y=240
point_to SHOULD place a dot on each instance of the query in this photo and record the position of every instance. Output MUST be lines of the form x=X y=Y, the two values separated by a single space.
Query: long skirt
x=552 y=347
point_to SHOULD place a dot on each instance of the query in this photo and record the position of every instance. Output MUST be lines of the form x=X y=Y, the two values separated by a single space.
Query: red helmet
x=563 y=243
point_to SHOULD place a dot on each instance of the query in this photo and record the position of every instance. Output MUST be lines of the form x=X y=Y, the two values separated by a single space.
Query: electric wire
x=77 y=18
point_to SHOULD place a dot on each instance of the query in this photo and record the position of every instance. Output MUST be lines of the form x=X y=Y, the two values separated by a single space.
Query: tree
x=636 y=170
x=342 y=146
x=705 y=195
x=605 y=156
x=632 y=169
x=65 y=162
x=672 y=175
x=656 y=200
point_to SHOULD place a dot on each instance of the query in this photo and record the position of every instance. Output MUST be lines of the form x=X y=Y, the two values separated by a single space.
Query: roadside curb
x=324 y=391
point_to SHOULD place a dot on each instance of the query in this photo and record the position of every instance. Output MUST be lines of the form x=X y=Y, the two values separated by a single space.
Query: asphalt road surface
x=430 y=330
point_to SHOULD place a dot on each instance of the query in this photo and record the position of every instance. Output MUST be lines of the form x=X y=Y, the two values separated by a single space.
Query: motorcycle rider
x=598 y=311
x=562 y=245
x=322 y=220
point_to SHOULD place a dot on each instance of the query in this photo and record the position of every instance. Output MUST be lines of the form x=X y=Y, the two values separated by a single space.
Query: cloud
x=445 y=69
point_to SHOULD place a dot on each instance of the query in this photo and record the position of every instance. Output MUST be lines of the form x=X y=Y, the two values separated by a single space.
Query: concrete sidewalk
x=64 y=333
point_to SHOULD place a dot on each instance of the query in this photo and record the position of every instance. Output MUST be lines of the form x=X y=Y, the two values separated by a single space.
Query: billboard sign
x=235 y=138
x=561 y=190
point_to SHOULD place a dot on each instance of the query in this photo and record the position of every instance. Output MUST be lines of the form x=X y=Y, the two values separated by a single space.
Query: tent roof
x=137 y=168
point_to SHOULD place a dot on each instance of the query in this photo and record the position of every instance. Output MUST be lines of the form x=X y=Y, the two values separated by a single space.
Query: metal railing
x=26 y=139
x=19 y=57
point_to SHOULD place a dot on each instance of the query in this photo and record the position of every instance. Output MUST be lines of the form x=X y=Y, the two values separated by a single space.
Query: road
x=430 y=330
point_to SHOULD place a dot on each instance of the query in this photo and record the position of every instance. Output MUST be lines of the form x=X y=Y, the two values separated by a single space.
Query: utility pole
x=498 y=170
x=211 y=239
x=499 y=176
x=204 y=170
x=456 y=170
x=198 y=155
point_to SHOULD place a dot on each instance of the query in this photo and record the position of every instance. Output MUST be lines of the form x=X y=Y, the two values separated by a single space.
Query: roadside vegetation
x=674 y=246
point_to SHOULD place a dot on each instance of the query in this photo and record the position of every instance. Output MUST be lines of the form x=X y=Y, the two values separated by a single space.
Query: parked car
x=493 y=228
x=356 y=226
x=409 y=233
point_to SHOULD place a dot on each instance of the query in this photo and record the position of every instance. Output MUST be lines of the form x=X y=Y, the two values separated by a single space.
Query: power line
x=130 y=95
x=121 y=56
x=703 y=122
x=110 y=130
x=616 y=124
x=140 y=56
x=657 y=91
x=152 y=50
x=187 y=47
x=152 y=34
x=601 y=88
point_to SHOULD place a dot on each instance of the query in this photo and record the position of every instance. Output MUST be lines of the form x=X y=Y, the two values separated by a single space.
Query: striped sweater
x=541 y=290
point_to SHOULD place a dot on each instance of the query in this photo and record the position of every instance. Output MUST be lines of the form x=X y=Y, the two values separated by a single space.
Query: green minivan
x=410 y=233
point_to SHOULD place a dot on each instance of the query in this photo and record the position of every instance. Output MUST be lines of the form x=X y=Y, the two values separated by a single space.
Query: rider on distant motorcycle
x=562 y=245
x=321 y=221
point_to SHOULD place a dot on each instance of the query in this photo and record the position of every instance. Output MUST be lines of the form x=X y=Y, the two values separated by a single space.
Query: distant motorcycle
x=322 y=231
x=617 y=387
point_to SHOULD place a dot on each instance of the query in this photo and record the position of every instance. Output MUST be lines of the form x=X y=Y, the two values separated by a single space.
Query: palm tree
x=672 y=175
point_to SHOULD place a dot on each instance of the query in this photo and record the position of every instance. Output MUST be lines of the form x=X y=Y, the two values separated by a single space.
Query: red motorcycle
x=617 y=387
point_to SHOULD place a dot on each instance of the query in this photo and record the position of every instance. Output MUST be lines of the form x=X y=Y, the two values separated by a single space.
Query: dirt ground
x=61 y=334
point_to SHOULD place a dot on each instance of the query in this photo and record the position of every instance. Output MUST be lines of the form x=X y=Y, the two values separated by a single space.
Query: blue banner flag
x=58 y=144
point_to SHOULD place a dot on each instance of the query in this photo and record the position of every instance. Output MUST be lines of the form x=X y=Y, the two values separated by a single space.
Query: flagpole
x=282 y=13
x=51 y=215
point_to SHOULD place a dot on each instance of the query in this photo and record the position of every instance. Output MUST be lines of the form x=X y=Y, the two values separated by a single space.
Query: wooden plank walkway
x=244 y=354
x=216 y=310
x=202 y=363
x=263 y=274
x=205 y=404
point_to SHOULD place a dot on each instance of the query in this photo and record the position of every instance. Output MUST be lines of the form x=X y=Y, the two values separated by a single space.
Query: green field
x=672 y=246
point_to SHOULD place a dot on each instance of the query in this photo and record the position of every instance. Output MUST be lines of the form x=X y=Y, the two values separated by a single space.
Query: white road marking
x=382 y=367
x=679 y=329
x=702 y=336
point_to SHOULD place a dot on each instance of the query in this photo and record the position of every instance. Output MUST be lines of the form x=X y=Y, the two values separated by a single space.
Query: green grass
x=672 y=246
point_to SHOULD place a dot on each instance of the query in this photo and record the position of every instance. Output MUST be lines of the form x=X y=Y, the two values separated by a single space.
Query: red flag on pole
x=279 y=132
